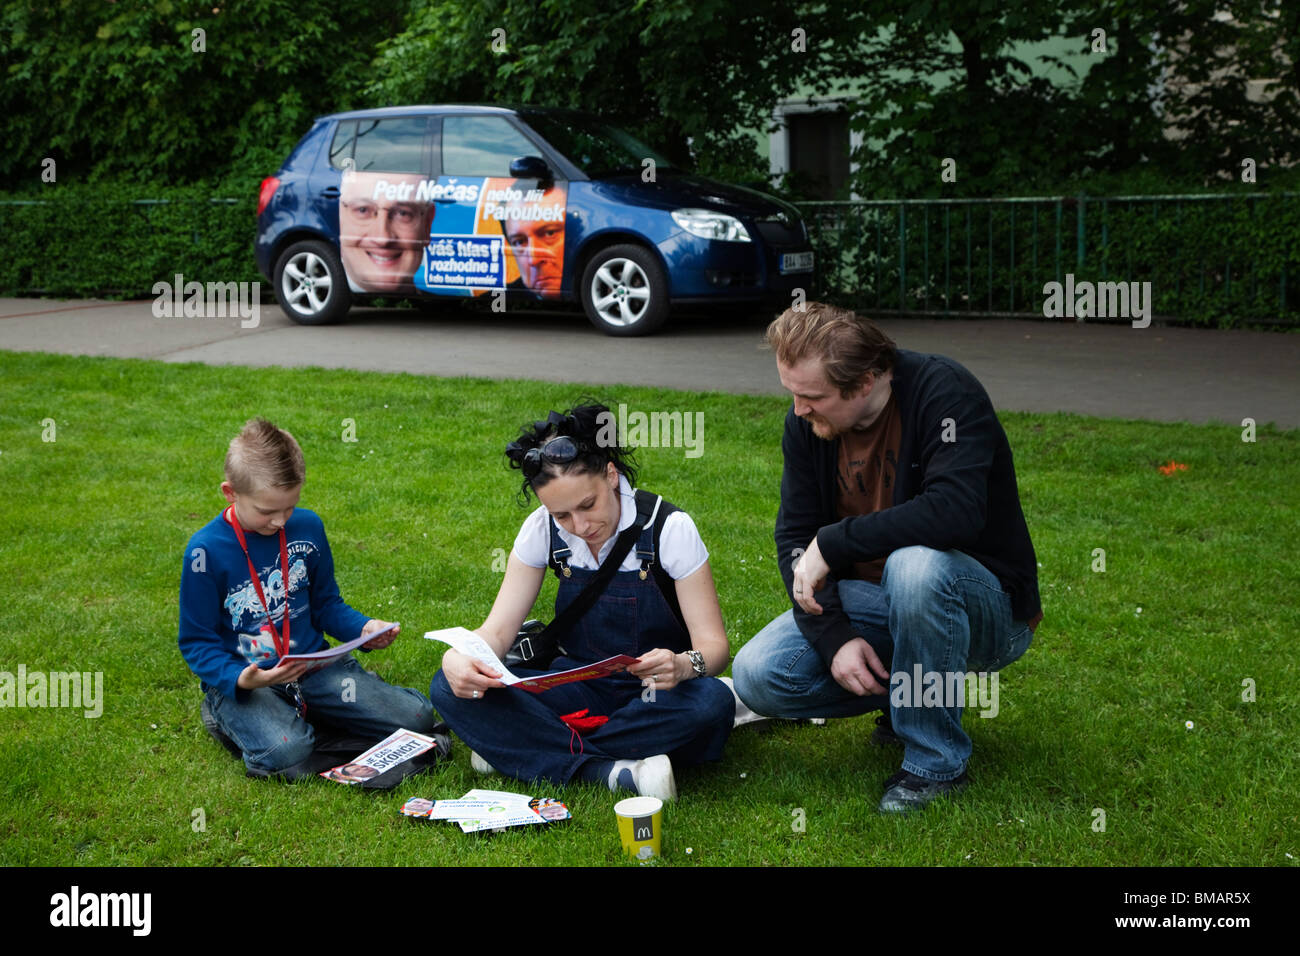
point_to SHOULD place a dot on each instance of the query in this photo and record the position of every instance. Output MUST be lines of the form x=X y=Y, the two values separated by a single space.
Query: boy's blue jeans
x=942 y=610
x=268 y=729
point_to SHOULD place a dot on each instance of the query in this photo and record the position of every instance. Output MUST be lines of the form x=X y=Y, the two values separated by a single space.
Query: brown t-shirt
x=865 y=476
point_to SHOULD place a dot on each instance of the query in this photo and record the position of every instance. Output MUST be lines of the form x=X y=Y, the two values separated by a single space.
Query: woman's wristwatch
x=697 y=663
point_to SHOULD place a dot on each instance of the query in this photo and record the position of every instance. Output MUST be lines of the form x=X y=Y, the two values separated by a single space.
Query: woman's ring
x=475 y=695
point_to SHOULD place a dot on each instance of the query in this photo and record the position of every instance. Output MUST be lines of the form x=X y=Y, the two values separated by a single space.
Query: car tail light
x=269 y=185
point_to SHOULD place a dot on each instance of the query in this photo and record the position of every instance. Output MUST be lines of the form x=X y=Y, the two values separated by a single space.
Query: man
x=538 y=243
x=383 y=230
x=901 y=542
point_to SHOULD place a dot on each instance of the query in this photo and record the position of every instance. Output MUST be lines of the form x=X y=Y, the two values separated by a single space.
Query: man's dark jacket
x=959 y=493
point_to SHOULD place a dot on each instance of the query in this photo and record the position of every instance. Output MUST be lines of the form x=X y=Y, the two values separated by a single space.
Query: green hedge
x=102 y=240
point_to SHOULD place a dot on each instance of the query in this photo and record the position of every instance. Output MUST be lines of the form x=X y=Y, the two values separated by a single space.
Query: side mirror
x=531 y=167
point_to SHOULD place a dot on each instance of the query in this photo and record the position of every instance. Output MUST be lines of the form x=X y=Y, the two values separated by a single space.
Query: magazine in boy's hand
x=471 y=645
x=328 y=656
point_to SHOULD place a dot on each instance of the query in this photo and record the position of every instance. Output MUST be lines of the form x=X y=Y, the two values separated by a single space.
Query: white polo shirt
x=682 y=551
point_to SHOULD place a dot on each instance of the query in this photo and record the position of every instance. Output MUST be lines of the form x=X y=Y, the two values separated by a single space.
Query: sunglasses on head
x=559 y=450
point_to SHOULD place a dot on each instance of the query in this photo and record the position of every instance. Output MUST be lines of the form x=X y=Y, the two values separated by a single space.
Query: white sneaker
x=479 y=764
x=743 y=714
x=654 y=777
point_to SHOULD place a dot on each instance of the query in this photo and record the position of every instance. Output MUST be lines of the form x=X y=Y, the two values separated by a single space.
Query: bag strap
x=580 y=605
x=667 y=584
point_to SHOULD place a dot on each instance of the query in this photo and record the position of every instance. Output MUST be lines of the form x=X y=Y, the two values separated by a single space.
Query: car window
x=345 y=139
x=594 y=146
x=482 y=146
x=392 y=145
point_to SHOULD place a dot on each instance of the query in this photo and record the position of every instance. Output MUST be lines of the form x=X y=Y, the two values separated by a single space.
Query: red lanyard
x=281 y=646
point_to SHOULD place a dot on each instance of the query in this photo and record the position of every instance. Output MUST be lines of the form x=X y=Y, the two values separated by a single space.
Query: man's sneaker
x=743 y=714
x=213 y=728
x=654 y=778
x=651 y=777
x=883 y=735
x=479 y=764
x=905 y=792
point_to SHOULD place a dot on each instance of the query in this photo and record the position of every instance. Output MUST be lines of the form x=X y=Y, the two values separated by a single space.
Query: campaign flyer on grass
x=398 y=747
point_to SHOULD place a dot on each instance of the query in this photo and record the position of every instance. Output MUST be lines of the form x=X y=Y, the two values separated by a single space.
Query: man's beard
x=822 y=428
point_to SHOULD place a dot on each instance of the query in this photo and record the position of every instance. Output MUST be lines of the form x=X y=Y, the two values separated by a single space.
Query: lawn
x=1194 y=619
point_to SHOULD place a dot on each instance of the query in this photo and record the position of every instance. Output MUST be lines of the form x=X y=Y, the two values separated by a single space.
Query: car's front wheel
x=310 y=284
x=625 y=291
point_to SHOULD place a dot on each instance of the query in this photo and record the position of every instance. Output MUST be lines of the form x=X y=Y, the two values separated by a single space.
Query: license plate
x=796 y=262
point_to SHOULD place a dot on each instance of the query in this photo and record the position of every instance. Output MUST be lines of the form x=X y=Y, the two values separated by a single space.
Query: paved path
x=1165 y=374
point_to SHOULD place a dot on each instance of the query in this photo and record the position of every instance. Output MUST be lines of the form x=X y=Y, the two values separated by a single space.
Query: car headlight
x=711 y=225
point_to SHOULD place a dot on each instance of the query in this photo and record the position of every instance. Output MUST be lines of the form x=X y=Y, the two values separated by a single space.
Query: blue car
x=523 y=204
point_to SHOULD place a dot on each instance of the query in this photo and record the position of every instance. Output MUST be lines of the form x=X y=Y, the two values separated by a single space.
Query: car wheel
x=310 y=284
x=625 y=291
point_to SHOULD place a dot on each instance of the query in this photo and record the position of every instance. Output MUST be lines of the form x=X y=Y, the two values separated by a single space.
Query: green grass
x=94 y=525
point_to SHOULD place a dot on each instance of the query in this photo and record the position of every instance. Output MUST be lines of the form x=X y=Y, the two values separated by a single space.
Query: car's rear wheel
x=310 y=284
x=624 y=291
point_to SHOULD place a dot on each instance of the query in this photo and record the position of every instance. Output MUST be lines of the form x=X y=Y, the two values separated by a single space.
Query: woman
x=668 y=706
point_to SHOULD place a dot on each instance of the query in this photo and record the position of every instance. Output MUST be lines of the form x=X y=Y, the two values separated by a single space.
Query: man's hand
x=252 y=676
x=374 y=624
x=852 y=669
x=810 y=574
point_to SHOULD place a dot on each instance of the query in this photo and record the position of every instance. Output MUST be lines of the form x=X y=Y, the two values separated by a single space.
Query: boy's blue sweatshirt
x=221 y=616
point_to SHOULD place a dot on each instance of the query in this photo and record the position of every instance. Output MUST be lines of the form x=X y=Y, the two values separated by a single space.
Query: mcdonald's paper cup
x=640 y=826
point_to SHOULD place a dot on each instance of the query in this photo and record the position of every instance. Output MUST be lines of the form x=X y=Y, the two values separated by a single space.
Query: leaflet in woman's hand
x=471 y=645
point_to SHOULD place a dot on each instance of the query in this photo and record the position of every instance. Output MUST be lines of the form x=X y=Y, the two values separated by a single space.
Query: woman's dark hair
x=594 y=431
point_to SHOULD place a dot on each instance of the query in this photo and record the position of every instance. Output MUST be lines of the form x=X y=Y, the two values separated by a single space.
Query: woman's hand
x=466 y=676
x=662 y=669
x=470 y=678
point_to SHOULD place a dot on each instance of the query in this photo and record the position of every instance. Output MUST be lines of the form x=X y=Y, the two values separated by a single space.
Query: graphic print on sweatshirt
x=248 y=617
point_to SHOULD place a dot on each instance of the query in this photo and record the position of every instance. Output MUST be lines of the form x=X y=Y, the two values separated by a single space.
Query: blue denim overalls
x=630 y=617
x=521 y=734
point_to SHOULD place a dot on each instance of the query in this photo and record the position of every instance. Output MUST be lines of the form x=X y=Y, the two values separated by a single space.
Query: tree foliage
x=128 y=89
x=175 y=91
x=1157 y=92
x=687 y=75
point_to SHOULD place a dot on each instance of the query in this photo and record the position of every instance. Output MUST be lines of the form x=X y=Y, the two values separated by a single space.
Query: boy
x=233 y=626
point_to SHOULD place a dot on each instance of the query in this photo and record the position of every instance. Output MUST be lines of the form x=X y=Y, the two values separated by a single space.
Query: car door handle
x=330 y=192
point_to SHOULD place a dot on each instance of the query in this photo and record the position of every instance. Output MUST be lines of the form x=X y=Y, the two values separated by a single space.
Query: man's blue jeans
x=267 y=728
x=941 y=610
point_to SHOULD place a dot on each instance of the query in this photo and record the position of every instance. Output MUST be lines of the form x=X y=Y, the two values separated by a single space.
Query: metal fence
x=1220 y=259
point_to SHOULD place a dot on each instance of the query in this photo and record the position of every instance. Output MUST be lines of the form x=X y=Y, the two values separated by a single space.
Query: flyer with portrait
x=488 y=810
x=398 y=747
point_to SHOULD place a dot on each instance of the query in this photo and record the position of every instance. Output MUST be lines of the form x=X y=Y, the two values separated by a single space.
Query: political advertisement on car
x=402 y=232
